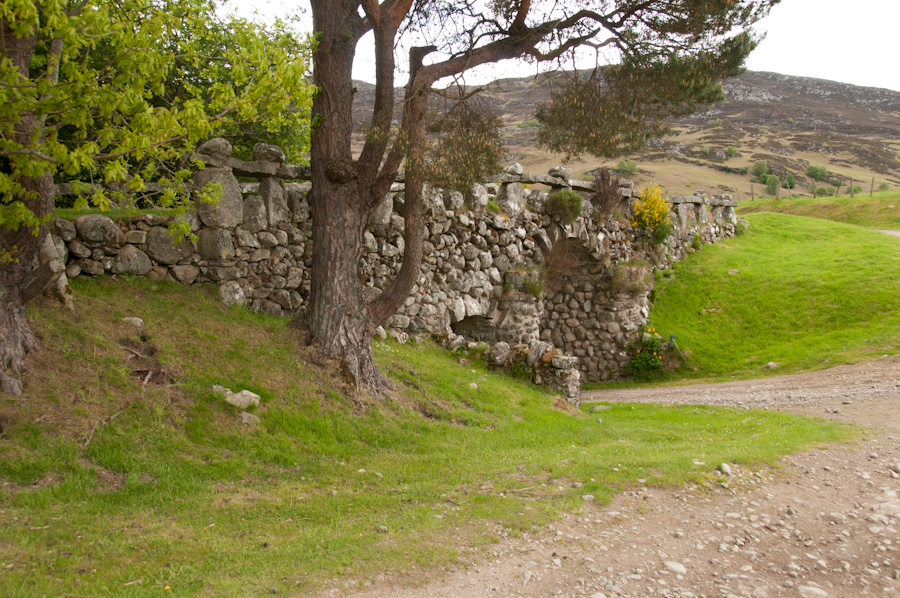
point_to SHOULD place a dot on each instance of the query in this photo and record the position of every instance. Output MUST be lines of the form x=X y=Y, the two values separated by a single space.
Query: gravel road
x=825 y=523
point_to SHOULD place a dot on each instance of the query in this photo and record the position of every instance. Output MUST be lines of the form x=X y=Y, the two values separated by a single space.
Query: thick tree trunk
x=338 y=317
x=21 y=267
x=343 y=314
x=20 y=281
x=16 y=338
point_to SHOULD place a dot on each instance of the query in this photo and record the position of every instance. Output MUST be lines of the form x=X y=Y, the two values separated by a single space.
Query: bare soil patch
x=143 y=363
x=825 y=523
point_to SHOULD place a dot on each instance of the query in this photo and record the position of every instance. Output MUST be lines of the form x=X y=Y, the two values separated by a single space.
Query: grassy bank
x=116 y=487
x=881 y=211
x=801 y=292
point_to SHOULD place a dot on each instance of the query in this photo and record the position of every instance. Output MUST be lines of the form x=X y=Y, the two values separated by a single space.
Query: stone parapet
x=517 y=276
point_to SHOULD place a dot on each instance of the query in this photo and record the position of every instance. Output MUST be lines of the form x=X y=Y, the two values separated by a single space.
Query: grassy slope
x=804 y=293
x=111 y=487
x=881 y=211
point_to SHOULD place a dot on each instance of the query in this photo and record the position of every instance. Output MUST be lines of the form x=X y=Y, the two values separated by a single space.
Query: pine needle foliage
x=616 y=109
x=465 y=145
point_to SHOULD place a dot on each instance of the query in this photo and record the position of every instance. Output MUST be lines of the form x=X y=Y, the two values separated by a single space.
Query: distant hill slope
x=791 y=122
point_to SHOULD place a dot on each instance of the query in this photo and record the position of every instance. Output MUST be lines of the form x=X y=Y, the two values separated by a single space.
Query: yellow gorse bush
x=651 y=213
x=649 y=209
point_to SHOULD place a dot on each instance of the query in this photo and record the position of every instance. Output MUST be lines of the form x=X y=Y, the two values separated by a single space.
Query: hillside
x=791 y=122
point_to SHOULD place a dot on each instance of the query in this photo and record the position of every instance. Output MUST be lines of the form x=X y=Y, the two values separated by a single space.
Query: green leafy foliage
x=817 y=173
x=626 y=167
x=730 y=151
x=759 y=170
x=534 y=287
x=564 y=205
x=772 y=184
x=789 y=181
x=122 y=93
x=647 y=361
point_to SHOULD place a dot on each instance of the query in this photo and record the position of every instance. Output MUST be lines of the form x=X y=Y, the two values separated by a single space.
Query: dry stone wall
x=486 y=274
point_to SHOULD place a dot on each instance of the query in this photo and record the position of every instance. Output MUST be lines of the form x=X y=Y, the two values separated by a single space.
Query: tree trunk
x=343 y=312
x=21 y=267
x=16 y=338
x=338 y=317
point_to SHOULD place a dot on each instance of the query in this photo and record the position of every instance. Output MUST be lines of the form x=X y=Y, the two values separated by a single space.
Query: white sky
x=851 y=42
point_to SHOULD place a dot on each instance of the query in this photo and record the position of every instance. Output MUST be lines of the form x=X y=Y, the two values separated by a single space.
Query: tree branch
x=29 y=152
x=519 y=23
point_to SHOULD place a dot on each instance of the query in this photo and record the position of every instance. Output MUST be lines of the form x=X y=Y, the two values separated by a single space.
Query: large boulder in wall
x=511 y=198
x=131 y=260
x=273 y=194
x=215 y=244
x=255 y=215
x=163 y=249
x=97 y=229
x=228 y=212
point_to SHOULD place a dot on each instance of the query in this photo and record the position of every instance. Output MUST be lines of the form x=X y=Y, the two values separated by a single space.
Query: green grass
x=112 y=488
x=882 y=211
x=806 y=294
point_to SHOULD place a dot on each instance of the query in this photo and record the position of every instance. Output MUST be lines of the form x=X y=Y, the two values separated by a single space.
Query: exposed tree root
x=16 y=341
x=360 y=368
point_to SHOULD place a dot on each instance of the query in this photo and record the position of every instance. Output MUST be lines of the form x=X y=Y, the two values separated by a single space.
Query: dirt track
x=825 y=523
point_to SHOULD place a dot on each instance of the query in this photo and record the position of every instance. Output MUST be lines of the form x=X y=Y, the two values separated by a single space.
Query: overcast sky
x=852 y=42
x=847 y=41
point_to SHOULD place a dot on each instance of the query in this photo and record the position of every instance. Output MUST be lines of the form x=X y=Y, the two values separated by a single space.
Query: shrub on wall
x=534 y=287
x=633 y=279
x=651 y=214
x=558 y=263
x=606 y=193
x=697 y=242
x=565 y=205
